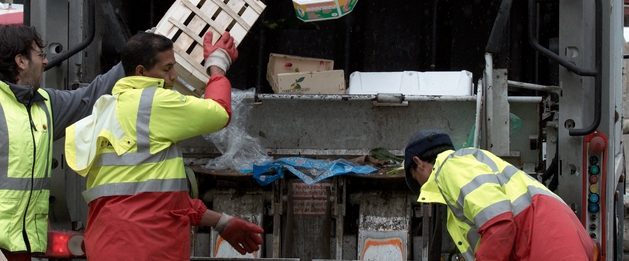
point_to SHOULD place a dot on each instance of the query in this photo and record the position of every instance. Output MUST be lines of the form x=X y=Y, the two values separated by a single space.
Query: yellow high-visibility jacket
x=498 y=212
x=25 y=171
x=137 y=190
x=26 y=137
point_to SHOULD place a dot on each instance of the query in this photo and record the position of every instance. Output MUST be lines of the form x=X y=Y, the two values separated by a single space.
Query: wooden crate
x=187 y=21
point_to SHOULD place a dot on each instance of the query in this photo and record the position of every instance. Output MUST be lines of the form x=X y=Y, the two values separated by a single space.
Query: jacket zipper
x=30 y=195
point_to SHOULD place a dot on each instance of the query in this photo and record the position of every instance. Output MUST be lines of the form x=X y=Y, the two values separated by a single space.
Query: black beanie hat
x=420 y=142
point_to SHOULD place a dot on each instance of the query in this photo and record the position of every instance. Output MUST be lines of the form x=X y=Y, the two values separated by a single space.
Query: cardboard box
x=304 y=75
x=317 y=10
x=187 y=21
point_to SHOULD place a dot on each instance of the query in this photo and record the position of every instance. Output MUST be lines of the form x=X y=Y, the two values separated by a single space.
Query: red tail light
x=65 y=244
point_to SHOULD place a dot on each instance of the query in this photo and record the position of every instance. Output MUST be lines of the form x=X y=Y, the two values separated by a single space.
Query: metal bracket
x=390 y=99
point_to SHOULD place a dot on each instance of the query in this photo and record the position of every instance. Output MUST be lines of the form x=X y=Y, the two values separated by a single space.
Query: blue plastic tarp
x=309 y=170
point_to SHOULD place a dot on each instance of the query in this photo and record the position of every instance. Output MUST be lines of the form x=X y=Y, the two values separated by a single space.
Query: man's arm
x=69 y=106
x=190 y=116
x=219 y=89
x=497 y=238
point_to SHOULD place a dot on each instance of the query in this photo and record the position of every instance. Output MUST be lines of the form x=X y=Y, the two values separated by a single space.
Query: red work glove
x=241 y=235
x=221 y=54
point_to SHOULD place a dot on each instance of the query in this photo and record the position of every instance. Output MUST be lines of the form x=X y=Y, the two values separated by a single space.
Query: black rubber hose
x=552 y=169
x=502 y=19
x=86 y=42
x=596 y=73
x=598 y=80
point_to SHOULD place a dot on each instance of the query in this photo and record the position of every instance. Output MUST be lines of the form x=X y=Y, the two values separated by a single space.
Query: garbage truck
x=538 y=83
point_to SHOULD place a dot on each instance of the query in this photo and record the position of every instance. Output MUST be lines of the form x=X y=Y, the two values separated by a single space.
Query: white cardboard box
x=412 y=83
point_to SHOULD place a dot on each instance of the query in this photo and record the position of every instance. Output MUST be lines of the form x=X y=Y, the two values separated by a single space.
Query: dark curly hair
x=14 y=40
x=142 y=49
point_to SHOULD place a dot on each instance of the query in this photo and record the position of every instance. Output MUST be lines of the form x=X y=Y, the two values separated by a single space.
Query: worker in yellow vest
x=28 y=114
x=495 y=211
x=139 y=206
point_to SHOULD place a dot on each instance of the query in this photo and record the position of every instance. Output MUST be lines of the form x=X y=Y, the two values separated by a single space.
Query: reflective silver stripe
x=473 y=185
x=469 y=255
x=520 y=203
x=541 y=191
x=50 y=137
x=479 y=155
x=142 y=123
x=458 y=213
x=132 y=188
x=492 y=211
x=134 y=159
x=508 y=173
x=7 y=183
x=4 y=149
x=472 y=238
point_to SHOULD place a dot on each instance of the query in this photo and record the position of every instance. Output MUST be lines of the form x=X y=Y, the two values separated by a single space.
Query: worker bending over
x=495 y=211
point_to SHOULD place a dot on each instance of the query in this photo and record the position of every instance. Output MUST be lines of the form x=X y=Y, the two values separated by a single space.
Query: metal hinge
x=390 y=99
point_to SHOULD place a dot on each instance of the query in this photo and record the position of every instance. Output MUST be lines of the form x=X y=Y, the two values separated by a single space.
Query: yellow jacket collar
x=429 y=192
x=136 y=82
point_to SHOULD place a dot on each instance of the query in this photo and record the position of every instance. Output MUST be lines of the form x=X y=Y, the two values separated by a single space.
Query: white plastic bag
x=239 y=149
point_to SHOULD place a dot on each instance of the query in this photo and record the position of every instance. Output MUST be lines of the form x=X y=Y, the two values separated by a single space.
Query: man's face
x=31 y=70
x=164 y=68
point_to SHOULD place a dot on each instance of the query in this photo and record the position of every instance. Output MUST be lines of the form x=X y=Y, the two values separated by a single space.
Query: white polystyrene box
x=411 y=83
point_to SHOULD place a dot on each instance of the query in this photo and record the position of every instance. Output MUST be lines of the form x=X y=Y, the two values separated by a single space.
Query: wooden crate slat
x=197 y=54
x=204 y=15
x=224 y=20
x=176 y=12
x=182 y=45
x=235 y=5
x=190 y=64
x=190 y=73
x=250 y=16
x=181 y=41
x=206 y=18
x=233 y=14
x=256 y=5
x=194 y=2
x=196 y=25
x=208 y=8
x=184 y=90
x=238 y=33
